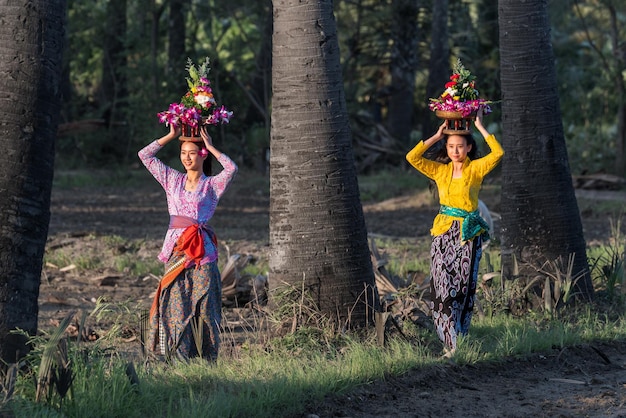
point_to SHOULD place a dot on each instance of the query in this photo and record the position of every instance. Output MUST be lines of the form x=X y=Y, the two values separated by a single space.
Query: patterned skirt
x=189 y=316
x=454 y=271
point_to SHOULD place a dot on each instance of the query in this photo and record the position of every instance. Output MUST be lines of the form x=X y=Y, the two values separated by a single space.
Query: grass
x=405 y=256
x=100 y=252
x=290 y=375
x=388 y=184
x=285 y=382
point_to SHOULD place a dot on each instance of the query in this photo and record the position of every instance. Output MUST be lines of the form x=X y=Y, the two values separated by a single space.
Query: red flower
x=450 y=84
x=454 y=77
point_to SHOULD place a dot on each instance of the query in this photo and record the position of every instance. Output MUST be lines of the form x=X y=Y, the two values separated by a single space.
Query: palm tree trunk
x=317 y=228
x=540 y=217
x=33 y=35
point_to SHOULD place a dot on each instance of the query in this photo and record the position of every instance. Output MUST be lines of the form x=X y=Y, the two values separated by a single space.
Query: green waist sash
x=472 y=223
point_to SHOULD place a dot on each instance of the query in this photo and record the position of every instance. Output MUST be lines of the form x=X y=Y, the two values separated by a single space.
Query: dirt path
x=585 y=381
x=579 y=381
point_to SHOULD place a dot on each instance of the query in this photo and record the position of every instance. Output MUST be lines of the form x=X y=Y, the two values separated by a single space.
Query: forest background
x=125 y=62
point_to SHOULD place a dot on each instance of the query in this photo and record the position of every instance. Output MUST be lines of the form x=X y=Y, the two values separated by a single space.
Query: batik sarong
x=189 y=314
x=454 y=271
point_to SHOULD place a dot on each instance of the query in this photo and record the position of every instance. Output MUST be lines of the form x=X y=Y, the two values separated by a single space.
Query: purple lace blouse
x=199 y=204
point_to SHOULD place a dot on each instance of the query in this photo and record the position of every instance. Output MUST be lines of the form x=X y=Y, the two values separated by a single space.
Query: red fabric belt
x=190 y=246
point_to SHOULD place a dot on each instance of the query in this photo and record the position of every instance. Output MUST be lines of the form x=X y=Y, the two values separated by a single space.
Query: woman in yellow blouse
x=458 y=228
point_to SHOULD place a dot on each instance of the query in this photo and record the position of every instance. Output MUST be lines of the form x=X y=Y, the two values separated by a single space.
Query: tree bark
x=540 y=216
x=318 y=237
x=31 y=64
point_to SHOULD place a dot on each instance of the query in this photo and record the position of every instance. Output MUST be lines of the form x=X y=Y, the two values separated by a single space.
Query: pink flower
x=212 y=119
x=191 y=116
x=223 y=114
x=466 y=108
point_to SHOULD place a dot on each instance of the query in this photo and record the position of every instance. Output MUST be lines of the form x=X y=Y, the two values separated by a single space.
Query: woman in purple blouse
x=189 y=296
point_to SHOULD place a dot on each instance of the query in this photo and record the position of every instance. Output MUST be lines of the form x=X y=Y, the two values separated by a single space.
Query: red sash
x=189 y=247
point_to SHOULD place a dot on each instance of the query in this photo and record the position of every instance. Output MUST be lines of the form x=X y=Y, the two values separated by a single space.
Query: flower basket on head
x=460 y=102
x=197 y=107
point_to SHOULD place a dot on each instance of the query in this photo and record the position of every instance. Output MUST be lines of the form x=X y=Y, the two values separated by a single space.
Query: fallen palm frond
x=197 y=327
x=49 y=359
x=610 y=266
x=384 y=281
x=560 y=282
x=7 y=386
x=144 y=330
x=241 y=289
x=398 y=303
x=63 y=374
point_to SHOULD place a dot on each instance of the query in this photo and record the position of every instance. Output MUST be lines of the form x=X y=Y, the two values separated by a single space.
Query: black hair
x=206 y=165
x=441 y=154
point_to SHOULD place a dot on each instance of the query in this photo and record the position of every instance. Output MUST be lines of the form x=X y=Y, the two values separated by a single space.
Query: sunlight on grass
x=505 y=336
x=283 y=381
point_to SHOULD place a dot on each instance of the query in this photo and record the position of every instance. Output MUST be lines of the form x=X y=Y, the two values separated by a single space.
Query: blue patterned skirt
x=190 y=312
x=454 y=271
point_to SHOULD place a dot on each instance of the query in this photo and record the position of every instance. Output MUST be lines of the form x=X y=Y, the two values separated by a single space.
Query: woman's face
x=190 y=157
x=457 y=148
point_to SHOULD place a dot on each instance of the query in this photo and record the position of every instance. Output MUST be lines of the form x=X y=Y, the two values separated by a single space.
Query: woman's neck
x=193 y=179
x=194 y=176
x=457 y=169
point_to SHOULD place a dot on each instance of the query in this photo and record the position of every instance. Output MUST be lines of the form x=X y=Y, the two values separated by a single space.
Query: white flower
x=204 y=100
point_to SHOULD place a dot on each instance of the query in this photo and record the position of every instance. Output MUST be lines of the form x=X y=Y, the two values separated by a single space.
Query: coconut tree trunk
x=540 y=217
x=318 y=237
x=31 y=64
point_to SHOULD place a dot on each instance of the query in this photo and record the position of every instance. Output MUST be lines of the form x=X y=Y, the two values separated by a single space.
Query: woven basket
x=456 y=123
x=192 y=133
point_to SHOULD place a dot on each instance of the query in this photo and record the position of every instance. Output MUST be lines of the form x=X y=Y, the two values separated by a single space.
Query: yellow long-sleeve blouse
x=460 y=192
